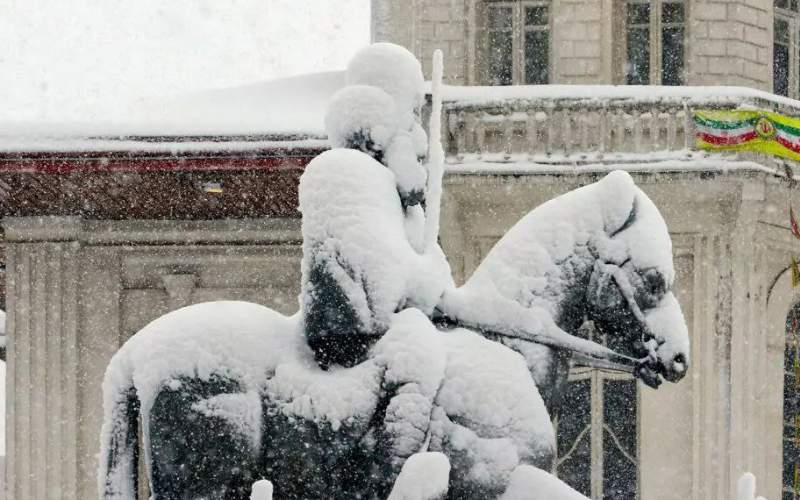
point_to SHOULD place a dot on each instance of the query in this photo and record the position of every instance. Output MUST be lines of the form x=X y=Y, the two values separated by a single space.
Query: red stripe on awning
x=726 y=141
x=788 y=144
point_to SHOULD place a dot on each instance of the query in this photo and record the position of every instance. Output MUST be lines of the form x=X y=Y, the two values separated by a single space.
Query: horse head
x=600 y=253
x=629 y=295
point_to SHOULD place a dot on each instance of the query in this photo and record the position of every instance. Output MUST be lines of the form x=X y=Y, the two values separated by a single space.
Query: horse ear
x=617 y=197
x=628 y=222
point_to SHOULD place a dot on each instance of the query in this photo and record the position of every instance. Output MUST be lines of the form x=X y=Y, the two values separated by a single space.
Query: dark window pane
x=537 y=57
x=672 y=56
x=791 y=452
x=791 y=406
x=780 y=69
x=574 y=436
x=619 y=473
x=500 y=18
x=638 y=13
x=619 y=439
x=638 y=62
x=781 y=32
x=576 y=471
x=500 y=62
x=619 y=411
x=672 y=13
x=575 y=415
x=536 y=16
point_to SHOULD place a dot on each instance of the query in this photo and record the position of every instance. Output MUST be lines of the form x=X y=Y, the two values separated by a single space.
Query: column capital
x=44 y=229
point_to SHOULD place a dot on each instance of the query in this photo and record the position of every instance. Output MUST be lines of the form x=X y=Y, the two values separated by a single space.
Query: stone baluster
x=531 y=133
x=636 y=130
x=623 y=134
x=507 y=127
x=472 y=131
x=549 y=126
x=458 y=132
x=672 y=129
x=688 y=128
x=604 y=128
x=583 y=127
x=480 y=135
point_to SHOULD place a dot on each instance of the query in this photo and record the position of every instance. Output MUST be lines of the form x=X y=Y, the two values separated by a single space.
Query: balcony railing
x=574 y=123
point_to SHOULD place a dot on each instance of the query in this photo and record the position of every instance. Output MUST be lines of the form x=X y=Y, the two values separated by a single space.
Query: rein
x=585 y=352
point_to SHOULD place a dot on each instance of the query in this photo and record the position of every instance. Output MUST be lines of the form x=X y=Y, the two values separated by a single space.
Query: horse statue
x=230 y=392
x=389 y=369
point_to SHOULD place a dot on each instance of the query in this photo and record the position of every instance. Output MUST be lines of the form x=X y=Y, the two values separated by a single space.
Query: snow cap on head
x=632 y=219
x=391 y=68
x=617 y=192
x=361 y=112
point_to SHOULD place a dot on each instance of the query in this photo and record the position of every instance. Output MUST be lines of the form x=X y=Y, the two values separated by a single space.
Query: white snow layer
x=391 y=68
x=424 y=476
x=262 y=490
x=361 y=109
x=460 y=96
x=530 y=483
x=489 y=409
x=294 y=105
x=354 y=225
x=436 y=153
x=746 y=487
x=455 y=376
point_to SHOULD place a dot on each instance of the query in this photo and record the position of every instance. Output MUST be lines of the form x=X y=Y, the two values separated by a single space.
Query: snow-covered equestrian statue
x=387 y=359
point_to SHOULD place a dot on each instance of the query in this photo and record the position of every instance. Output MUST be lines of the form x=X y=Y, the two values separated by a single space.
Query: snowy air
x=400 y=250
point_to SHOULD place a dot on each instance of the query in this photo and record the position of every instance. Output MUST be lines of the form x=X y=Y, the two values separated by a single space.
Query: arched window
x=791 y=407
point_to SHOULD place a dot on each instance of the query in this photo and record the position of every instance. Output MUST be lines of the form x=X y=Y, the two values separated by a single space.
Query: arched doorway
x=781 y=407
x=791 y=407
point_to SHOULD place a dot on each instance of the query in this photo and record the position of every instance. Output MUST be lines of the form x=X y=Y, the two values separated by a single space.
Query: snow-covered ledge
x=579 y=123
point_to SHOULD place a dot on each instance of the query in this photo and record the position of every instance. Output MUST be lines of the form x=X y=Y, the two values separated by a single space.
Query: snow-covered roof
x=274 y=113
x=286 y=109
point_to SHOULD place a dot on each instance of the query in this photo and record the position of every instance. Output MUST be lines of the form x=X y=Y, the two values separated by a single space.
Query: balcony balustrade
x=557 y=123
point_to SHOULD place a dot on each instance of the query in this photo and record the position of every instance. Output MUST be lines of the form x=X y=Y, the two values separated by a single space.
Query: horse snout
x=676 y=368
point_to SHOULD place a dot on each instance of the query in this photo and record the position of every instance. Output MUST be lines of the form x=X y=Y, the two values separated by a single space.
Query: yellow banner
x=758 y=131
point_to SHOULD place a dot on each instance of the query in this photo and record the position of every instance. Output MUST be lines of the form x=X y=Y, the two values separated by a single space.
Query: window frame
x=656 y=26
x=519 y=29
x=792 y=18
x=597 y=427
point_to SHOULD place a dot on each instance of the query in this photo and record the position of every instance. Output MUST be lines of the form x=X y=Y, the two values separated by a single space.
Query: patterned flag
x=748 y=130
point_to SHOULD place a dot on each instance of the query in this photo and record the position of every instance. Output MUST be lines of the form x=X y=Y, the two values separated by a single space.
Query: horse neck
x=569 y=313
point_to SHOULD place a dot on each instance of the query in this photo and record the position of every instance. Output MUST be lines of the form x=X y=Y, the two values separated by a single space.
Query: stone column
x=42 y=371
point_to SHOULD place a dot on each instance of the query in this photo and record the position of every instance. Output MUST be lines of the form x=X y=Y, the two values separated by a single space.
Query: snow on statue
x=391 y=382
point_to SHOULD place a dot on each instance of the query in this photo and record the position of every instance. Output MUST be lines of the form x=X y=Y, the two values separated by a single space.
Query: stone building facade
x=727 y=42
x=101 y=241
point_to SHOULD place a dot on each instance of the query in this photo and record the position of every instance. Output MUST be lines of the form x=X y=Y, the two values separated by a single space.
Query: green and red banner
x=748 y=130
